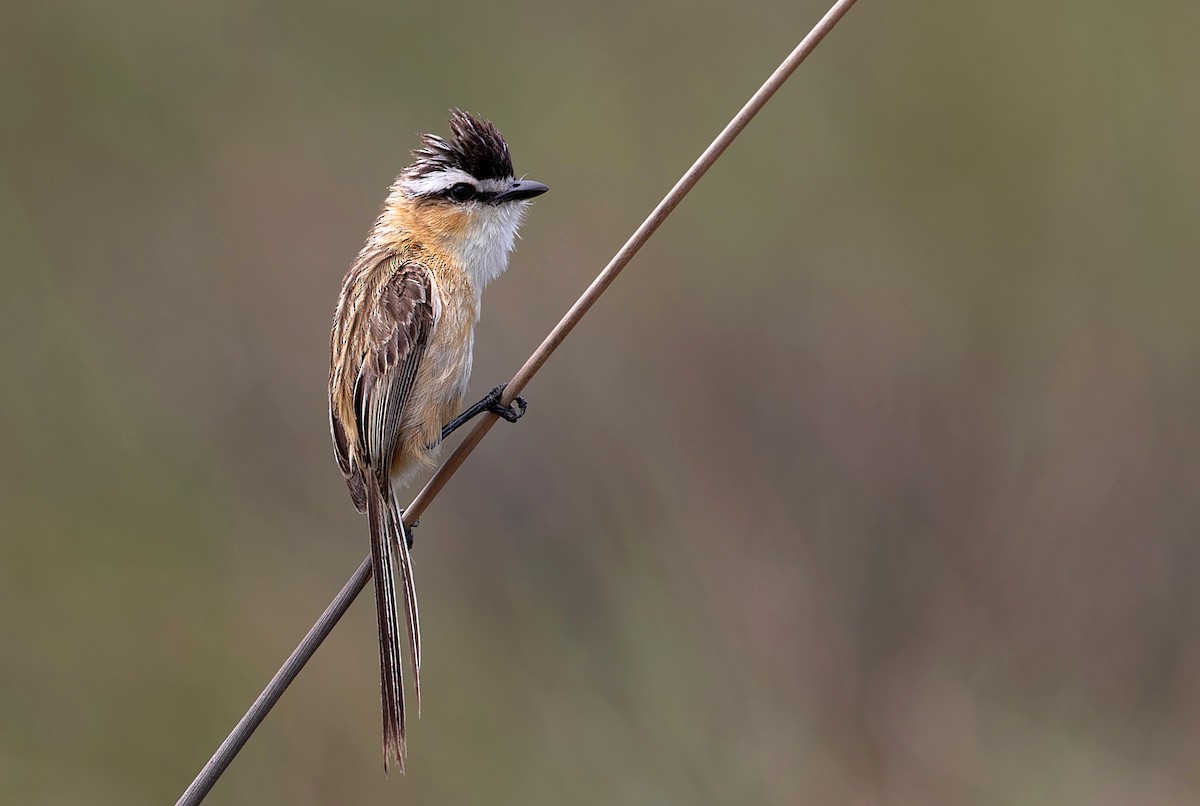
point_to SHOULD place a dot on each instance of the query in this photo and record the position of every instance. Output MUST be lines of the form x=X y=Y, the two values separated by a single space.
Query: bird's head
x=460 y=194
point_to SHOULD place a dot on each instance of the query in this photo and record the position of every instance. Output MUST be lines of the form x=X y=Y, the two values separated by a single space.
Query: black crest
x=475 y=146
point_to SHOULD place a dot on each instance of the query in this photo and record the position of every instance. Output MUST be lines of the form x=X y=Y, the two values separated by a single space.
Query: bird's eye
x=462 y=192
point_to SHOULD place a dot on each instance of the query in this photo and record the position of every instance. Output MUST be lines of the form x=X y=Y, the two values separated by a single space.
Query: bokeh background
x=874 y=479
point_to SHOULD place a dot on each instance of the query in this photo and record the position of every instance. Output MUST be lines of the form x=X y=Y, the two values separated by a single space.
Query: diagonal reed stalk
x=229 y=748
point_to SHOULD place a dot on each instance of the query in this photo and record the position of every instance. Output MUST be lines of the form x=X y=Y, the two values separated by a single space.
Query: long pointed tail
x=391 y=671
x=400 y=546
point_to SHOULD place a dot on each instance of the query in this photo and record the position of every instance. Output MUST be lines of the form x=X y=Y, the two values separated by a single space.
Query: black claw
x=511 y=412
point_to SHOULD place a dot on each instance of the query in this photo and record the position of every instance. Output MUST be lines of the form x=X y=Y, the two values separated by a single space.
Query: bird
x=401 y=352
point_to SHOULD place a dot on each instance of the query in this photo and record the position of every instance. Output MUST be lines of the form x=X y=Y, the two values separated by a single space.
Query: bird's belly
x=437 y=395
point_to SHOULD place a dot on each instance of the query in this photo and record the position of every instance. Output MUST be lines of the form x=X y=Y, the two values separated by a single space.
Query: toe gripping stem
x=490 y=402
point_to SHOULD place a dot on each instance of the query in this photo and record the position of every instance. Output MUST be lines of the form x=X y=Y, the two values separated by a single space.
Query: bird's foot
x=512 y=412
x=491 y=402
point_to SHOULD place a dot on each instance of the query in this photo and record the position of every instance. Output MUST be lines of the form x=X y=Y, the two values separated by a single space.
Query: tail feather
x=391 y=669
x=400 y=541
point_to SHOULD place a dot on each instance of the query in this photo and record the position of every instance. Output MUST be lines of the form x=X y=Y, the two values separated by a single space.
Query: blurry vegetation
x=874 y=479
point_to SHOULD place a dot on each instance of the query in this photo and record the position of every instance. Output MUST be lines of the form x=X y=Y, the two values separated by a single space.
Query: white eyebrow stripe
x=447 y=178
x=435 y=182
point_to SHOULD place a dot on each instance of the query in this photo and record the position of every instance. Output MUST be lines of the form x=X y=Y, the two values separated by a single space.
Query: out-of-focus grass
x=873 y=480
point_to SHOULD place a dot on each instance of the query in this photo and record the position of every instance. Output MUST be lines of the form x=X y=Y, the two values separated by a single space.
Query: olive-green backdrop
x=874 y=479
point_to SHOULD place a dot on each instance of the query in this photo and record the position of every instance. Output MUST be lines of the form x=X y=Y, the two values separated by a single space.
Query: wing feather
x=395 y=336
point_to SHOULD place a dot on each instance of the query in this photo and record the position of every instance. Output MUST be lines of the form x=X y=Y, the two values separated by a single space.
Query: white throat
x=484 y=247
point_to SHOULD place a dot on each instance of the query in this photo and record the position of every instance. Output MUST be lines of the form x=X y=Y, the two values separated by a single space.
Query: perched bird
x=401 y=353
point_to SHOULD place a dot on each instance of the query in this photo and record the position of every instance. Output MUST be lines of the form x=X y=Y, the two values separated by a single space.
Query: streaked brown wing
x=380 y=330
x=396 y=332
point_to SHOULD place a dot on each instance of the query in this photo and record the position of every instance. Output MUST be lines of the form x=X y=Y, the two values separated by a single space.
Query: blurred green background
x=874 y=479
